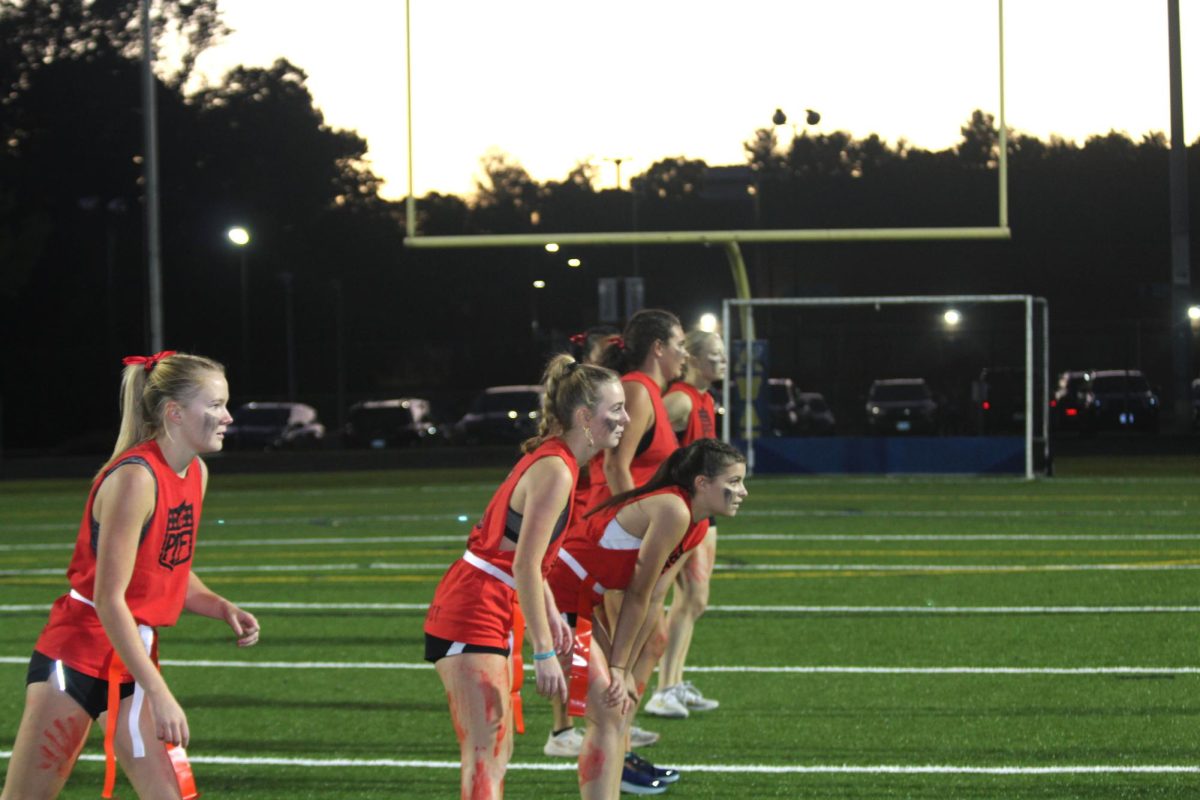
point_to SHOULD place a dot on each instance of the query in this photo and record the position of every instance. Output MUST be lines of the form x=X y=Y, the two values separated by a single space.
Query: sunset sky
x=555 y=82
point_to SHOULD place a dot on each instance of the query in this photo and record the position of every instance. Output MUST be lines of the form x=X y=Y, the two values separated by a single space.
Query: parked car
x=400 y=422
x=784 y=403
x=1069 y=400
x=816 y=418
x=901 y=405
x=1120 y=399
x=274 y=426
x=501 y=414
x=999 y=397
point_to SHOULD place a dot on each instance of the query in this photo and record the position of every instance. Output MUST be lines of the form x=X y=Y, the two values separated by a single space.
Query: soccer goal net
x=892 y=384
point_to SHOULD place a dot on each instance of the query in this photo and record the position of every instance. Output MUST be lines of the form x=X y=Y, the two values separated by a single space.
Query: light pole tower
x=240 y=237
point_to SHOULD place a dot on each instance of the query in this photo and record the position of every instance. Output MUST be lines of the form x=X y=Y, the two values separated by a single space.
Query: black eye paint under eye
x=728 y=495
x=611 y=424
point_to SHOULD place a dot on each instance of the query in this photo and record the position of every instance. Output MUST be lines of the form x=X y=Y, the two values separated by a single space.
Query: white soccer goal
x=1030 y=328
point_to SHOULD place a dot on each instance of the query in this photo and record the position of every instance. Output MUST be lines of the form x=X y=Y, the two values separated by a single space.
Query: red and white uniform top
x=646 y=461
x=494 y=526
x=158 y=585
x=474 y=600
x=603 y=553
x=702 y=421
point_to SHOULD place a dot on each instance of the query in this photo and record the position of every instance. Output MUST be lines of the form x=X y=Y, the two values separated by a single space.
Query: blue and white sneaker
x=638 y=781
x=637 y=762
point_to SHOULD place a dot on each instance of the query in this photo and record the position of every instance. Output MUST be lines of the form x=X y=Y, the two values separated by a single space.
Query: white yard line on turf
x=959 y=537
x=899 y=568
x=732 y=537
x=1059 y=513
x=799 y=670
x=772 y=769
x=727 y=538
x=753 y=609
x=853 y=513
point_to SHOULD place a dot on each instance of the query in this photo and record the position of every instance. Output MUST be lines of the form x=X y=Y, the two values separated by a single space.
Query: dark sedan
x=1121 y=399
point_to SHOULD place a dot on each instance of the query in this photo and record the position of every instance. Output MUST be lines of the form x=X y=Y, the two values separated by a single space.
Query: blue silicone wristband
x=544 y=656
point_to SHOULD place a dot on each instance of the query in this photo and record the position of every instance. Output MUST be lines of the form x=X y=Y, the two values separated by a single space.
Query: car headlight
x=875 y=409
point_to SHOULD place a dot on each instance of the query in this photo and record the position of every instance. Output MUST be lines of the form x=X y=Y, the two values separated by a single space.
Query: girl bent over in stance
x=477 y=608
x=615 y=573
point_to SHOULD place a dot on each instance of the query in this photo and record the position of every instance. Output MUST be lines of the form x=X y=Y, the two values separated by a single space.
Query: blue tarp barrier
x=889 y=454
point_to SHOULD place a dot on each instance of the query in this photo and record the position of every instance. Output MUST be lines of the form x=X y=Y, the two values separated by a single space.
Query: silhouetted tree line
x=1090 y=232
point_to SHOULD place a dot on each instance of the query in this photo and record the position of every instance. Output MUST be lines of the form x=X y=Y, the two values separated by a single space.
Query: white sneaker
x=692 y=699
x=641 y=738
x=566 y=744
x=667 y=703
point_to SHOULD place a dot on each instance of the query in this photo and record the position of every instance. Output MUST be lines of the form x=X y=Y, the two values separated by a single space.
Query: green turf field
x=868 y=638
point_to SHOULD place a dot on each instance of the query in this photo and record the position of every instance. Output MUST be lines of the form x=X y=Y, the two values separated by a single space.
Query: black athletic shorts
x=91 y=693
x=437 y=647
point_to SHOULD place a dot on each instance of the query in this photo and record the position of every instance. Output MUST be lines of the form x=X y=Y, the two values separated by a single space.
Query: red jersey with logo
x=158 y=585
x=663 y=442
x=473 y=602
x=702 y=422
x=602 y=551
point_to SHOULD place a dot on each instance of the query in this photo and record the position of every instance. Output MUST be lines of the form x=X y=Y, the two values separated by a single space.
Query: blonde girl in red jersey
x=628 y=554
x=469 y=627
x=689 y=403
x=131 y=572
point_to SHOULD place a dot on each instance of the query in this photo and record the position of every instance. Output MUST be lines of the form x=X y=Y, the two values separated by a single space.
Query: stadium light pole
x=150 y=173
x=1181 y=276
x=240 y=237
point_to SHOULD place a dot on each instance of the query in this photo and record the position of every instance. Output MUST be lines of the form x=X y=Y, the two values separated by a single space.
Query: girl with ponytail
x=689 y=403
x=490 y=596
x=649 y=354
x=613 y=573
x=130 y=573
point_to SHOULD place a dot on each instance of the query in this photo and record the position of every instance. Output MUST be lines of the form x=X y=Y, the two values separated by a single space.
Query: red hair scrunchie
x=147 y=362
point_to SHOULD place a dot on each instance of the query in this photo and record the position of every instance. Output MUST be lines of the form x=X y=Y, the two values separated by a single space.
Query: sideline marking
x=777 y=769
x=792 y=609
x=731 y=537
x=1150 y=566
x=853 y=513
x=812 y=670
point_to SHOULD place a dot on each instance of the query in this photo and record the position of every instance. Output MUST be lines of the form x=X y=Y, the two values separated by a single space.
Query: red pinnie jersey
x=702 y=422
x=158 y=584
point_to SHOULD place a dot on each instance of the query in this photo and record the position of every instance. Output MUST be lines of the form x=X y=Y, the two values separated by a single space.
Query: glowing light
x=462 y=517
x=539 y=284
x=952 y=317
x=512 y=415
x=1194 y=313
x=573 y=262
x=551 y=247
x=239 y=236
x=708 y=322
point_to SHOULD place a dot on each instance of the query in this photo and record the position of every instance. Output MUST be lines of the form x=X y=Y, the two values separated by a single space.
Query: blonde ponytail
x=147 y=386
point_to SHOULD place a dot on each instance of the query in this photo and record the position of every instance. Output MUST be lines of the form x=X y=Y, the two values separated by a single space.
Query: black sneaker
x=637 y=762
x=636 y=781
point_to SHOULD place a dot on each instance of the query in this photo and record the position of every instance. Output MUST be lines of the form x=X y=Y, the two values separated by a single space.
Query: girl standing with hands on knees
x=615 y=571
x=487 y=597
x=130 y=573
